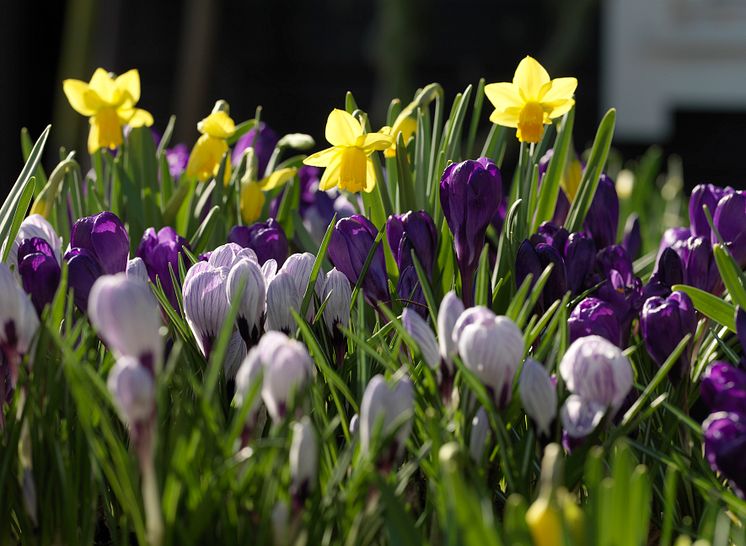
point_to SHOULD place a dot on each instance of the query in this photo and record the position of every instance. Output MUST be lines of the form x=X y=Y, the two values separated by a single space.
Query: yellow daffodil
x=252 y=193
x=570 y=181
x=531 y=101
x=404 y=124
x=204 y=161
x=109 y=104
x=348 y=164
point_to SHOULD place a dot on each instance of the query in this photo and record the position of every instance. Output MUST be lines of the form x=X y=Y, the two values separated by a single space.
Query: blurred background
x=675 y=69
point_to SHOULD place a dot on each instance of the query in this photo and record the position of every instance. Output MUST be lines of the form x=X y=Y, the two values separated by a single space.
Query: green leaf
x=731 y=274
x=23 y=203
x=712 y=307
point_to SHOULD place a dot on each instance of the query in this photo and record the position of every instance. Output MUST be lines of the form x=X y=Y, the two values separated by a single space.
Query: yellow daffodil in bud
x=531 y=100
x=204 y=161
x=109 y=104
x=404 y=124
x=252 y=193
x=348 y=163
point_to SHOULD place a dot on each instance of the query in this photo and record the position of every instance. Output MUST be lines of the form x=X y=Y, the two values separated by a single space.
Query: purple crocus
x=414 y=230
x=698 y=263
x=351 y=241
x=470 y=194
x=267 y=239
x=723 y=388
x=534 y=260
x=704 y=195
x=580 y=256
x=668 y=271
x=177 y=158
x=39 y=271
x=160 y=252
x=664 y=323
x=632 y=239
x=593 y=316
x=99 y=245
x=602 y=220
x=729 y=219
x=619 y=286
x=725 y=444
x=263 y=139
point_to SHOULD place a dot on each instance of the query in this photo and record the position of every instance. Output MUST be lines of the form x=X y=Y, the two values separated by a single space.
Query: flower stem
x=150 y=495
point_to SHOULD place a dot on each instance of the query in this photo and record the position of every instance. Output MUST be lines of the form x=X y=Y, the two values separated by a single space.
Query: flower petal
x=370 y=176
x=81 y=97
x=559 y=92
x=376 y=142
x=129 y=84
x=135 y=117
x=331 y=174
x=342 y=129
x=530 y=76
x=217 y=125
x=322 y=158
x=103 y=84
x=503 y=95
x=507 y=118
x=277 y=178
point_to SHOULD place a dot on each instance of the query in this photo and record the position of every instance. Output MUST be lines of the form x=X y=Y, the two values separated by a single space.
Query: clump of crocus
x=262 y=139
x=109 y=103
x=470 y=194
x=664 y=322
x=99 y=245
x=160 y=253
x=538 y=395
x=212 y=145
x=386 y=412
x=348 y=162
x=338 y=296
x=351 y=242
x=267 y=239
x=531 y=101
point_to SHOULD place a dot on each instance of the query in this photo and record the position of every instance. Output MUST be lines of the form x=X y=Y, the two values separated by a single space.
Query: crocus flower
x=133 y=389
x=266 y=239
x=351 y=241
x=480 y=430
x=668 y=271
x=262 y=139
x=18 y=325
x=348 y=162
x=579 y=417
x=533 y=260
x=410 y=231
x=704 y=195
x=248 y=376
x=619 y=285
x=207 y=154
x=300 y=267
x=35 y=225
x=423 y=336
x=160 y=252
x=282 y=296
x=99 y=245
x=492 y=347
x=470 y=193
x=449 y=312
x=723 y=388
x=205 y=302
x=671 y=236
x=664 y=323
x=304 y=455
x=538 y=395
x=531 y=101
x=287 y=370
x=126 y=316
x=597 y=371
x=383 y=408
x=729 y=219
x=580 y=256
x=177 y=157
x=632 y=239
x=725 y=444
x=39 y=271
x=593 y=316
x=110 y=104
x=698 y=263
x=338 y=296
x=136 y=269
x=602 y=220
x=246 y=273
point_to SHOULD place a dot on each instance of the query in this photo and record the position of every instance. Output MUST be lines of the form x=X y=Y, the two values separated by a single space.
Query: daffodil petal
x=370 y=176
x=561 y=108
x=503 y=95
x=507 y=118
x=135 y=117
x=218 y=125
x=81 y=97
x=560 y=91
x=103 y=84
x=93 y=140
x=331 y=175
x=376 y=142
x=129 y=83
x=277 y=178
x=252 y=202
x=322 y=158
x=529 y=77
x=341 y=128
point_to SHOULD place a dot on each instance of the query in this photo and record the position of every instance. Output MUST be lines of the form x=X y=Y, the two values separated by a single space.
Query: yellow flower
x=348 y=164
x=109 y=103
x=204 y=161
x=404 y=124
x=570 y=181
x=531 y=101
x=252 y=193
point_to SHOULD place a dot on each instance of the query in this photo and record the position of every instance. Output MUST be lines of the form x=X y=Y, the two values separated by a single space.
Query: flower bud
x=133 y=389
x=282 y=296
x=704 y=194
x=668 y=271
x=136 y=269
x=416 y=231
x=632 y=240
x=698 y=263
x=229 y=254
x=247 y=274
x=388 y=409
x=723 y=388
x=729 y=219
x=538 y=394
x=267 y=239
x=423 y=336
x=234 y=355
x=580 y=417
x=35 y=225
x=18 y=319
x=160 y=253
x=39 y=271
x=205 y=302
x=263 y=139
x=300 y=267
x=492 y=348
x=593 y=316
x=448 y=314
x=580 y=256
x=534 y=260
x=725 y=444
x=249 y=375
x=664 y=323
x=597 y=371
x=287 y=370
x=304 y=454
x=480 y=430
x=338 y=294
x=602 y=219
x=126 y=316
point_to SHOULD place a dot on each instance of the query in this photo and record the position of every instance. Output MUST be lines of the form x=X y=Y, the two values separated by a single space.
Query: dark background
x=298 y=58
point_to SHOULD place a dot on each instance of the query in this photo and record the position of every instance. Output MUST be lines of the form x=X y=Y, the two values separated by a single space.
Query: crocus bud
x=19 y=325
x=39 y=271
x=177 y=157
x=133 y=389
x=602 y=220
x=384 y=408
x=671 y=236
x=698 y=263
x=287 y=370
x=104 y=236
x=725 y=444
x=263 y=139
x=126 y=316
x=410 y=292
x=538 y=395
x=304 y=455
x=704 y=195
x=668 y=271
x=723 y=388
x=234 y=355
x=351 y=241
x=249 y=378
x=423 y=336
x=632 y=240
x=229 y=254
x=300 y=266
x=205 y=302
x=580 y=256
x=416 y=231
x=267 y=239
x=160 y=252
x=580 y=417
x=282 y=296
x=492 y=348
x=35 y=225
x=595 y=317
x=533 y=260
x=729 y=219
x=136 y=269
x=597 y=371
x=448 y=314
x=337 y=294
x=664 y=323
x=480 y=430
x=470 y=193
x=247 y=274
